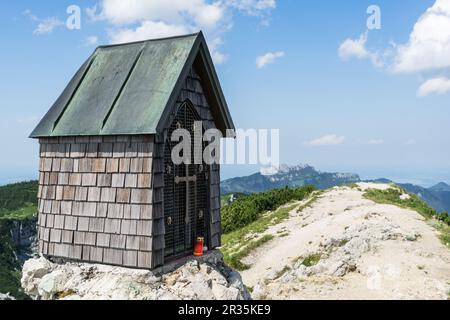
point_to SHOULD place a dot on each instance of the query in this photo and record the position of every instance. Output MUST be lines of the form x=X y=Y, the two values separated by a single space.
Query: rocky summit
x=204 y=278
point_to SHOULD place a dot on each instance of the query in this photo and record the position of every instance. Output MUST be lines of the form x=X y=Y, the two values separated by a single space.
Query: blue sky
x=374 y=106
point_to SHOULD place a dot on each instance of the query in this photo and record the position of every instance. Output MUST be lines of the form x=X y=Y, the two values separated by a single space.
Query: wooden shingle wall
x=158 y=202
x=95 y=199
x=193 y=91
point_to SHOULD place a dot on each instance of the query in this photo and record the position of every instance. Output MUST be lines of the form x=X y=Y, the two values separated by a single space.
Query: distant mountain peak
x=286 y=175
x=441 y=186
x=285 y=168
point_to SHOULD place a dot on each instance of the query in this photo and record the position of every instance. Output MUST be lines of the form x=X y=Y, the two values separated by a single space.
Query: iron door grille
x=186 y=191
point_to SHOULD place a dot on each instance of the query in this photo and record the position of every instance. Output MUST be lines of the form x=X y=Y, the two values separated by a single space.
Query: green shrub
x=311 y=260
x=392 y=196
x=248 y=209
x=18 y=200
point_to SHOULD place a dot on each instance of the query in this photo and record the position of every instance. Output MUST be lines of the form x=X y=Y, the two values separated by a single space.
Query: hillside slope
x=18 y=205
x=344 y=246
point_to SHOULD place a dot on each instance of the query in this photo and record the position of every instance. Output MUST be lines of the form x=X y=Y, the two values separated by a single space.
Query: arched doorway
x=186 y=190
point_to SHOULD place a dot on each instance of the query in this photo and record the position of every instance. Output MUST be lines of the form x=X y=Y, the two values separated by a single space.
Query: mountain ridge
x=437 y=196
x=287 y=176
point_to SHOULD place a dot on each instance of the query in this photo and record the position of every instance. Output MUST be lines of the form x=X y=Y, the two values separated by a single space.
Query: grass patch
x=19 y=214
x=64 y=294
x=282 y=271
x=18 y=201
x=311 y=260
x=444 y=234
x=392 y=196
x=238 y=244
x=234 y=260
x=245 y=210
x=309 y=203
x=352 y=185
x=242 y=235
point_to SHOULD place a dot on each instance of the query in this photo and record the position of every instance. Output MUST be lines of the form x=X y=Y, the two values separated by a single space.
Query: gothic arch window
x=186 y=189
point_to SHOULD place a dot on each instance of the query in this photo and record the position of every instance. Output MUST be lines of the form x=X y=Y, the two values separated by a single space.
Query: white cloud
x=92 y=14
x=147 y=30
x=327 y=140
x=28 y=120
x=92 y=40
x=356 y=48
x=268 y=58
x=428 y=47
x=351 y=48
x=376 y=141
x=427 y=50
x=440 y=85
x=253 y=7
x=176 y=11
x=45 y=26
x=134 y=20
x=48 y=25
x=410 y=142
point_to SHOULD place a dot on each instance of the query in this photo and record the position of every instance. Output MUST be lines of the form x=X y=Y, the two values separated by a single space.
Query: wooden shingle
x=108 y=195
x=94 y=194
x=124 y=165
x=83 y=224
x=96 y=224
x=70 y=223
x=141 y=196
x=123 y=195
x=118 y=180
x=112 y=165
x=144 y=259
x=81 y=193
x=89 y=179
x=131 y=180
x=112 y=226
x=130 y=258
x=96 y=254
x=128 y=227
x=115 y=211
x=132 y=243
x=113 y=256
x=118 y=241
x=103 y=239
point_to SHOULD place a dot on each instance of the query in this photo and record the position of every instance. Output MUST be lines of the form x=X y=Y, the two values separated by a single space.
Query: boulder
x=198 y=278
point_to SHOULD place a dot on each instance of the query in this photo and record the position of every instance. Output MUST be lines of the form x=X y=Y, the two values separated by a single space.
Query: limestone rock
x=5 y=297
x=199 y=278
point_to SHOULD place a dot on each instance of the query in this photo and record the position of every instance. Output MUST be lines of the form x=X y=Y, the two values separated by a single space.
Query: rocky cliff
x=17 y=244
x=204 y=278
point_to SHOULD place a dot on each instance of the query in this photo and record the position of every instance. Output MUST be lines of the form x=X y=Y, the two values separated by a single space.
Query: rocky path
x=347 y=247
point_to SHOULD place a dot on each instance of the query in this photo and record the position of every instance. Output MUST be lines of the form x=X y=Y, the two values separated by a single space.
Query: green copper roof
x=126 y=89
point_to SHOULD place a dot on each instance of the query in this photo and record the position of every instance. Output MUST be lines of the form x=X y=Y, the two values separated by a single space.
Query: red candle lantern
x=198 y=247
